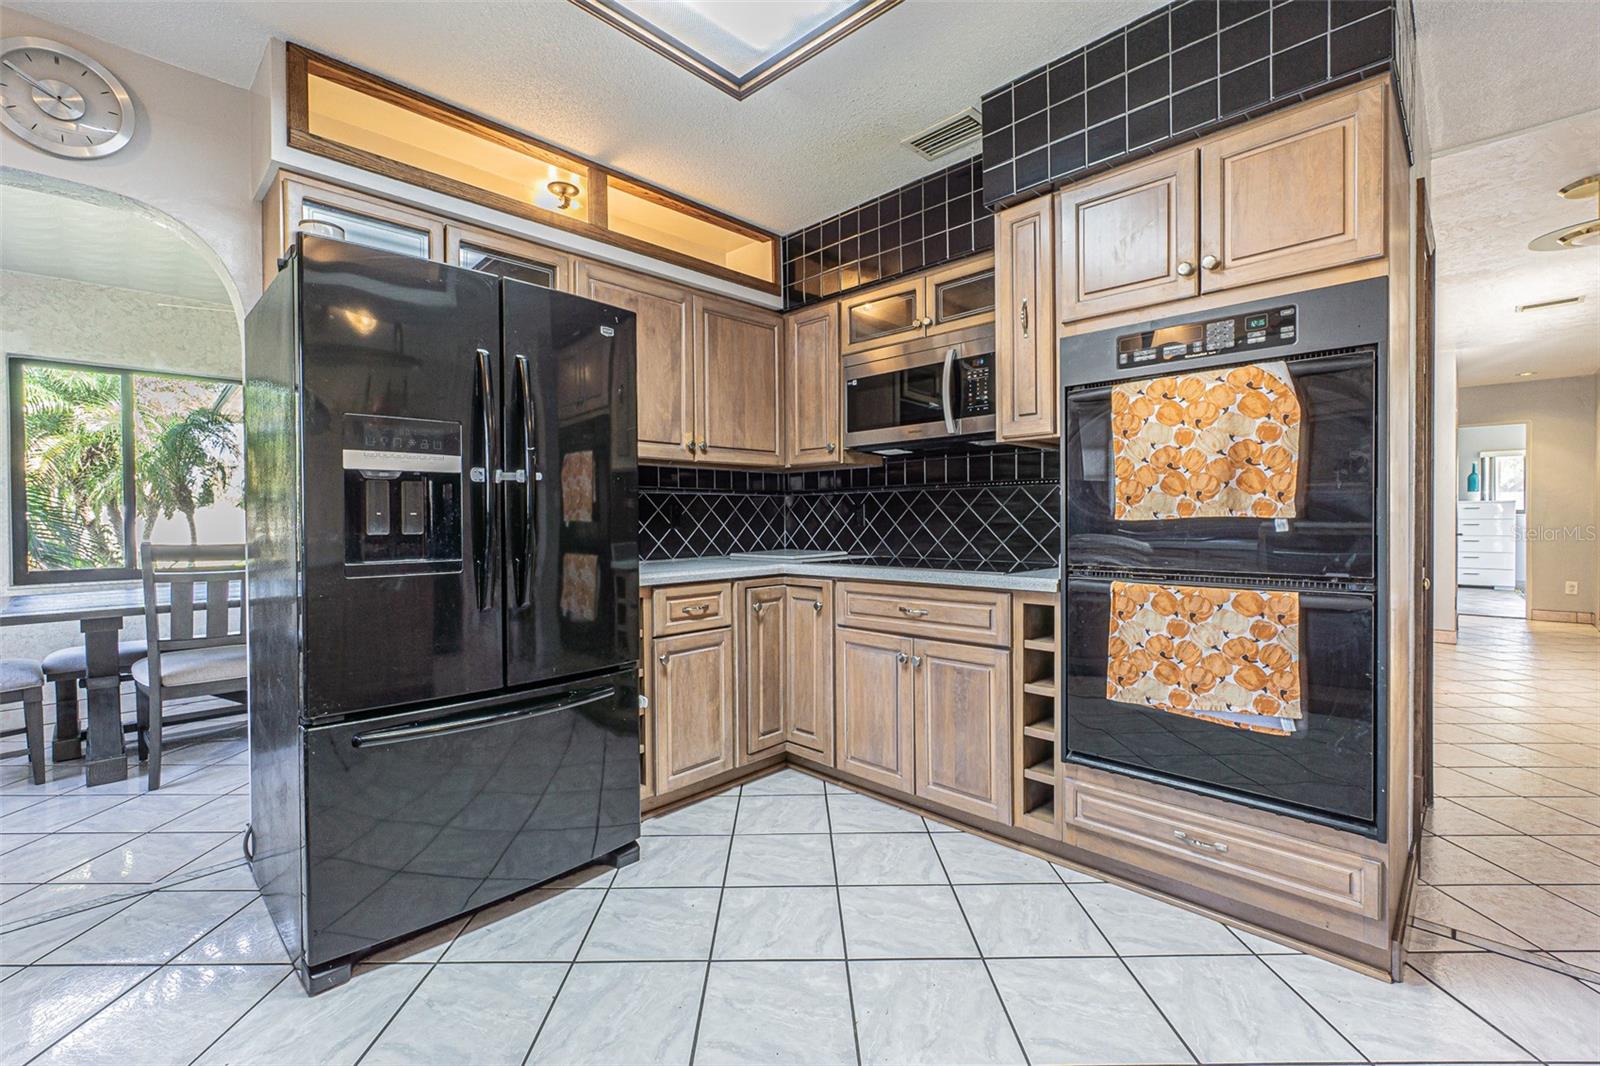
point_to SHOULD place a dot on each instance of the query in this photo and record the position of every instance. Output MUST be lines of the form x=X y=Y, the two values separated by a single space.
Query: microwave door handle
x=947 y=381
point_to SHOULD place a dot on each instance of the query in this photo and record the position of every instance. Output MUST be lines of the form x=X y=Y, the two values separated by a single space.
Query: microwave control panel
x=1269 y=328
x=976 y=382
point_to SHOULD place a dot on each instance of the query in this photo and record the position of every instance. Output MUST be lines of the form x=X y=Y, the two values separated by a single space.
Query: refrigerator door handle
x=488 y=489
x=450 y=726
x=529 y=475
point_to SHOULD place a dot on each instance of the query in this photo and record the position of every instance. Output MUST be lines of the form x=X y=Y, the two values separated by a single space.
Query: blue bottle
x=1472 y=480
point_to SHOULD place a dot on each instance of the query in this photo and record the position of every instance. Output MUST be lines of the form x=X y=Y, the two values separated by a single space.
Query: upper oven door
x=1332 y=533
x=915 y=392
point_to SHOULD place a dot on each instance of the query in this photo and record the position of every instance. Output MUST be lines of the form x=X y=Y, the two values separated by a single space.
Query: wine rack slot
x=1036 y=763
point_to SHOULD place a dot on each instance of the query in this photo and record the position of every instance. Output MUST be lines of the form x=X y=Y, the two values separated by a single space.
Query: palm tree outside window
x=102 y=458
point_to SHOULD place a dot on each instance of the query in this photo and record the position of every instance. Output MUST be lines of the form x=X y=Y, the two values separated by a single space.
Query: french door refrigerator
x=441 y=501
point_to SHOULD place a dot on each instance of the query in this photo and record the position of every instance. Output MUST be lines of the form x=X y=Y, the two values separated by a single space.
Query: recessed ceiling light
x=1560 y=301
x=1524 y=373
x=1584 y=234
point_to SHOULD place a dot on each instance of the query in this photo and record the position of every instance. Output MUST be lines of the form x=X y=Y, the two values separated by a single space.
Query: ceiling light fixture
x=1525 y=373
x=1581 y=234
x=563 y=191
x=1545 y=305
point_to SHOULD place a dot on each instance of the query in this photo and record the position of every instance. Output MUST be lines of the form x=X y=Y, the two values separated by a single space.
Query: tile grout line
x=1468 y=1008
x=290 y=976
x=555 y=997
x=844 y=938
x=1117 y=954
x=1312 y=1007
x=716 y=920
x=978 y=947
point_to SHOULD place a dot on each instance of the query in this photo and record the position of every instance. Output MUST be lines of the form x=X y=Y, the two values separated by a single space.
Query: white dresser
x=1486 y=543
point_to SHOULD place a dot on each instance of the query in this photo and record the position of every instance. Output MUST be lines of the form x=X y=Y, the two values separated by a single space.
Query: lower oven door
x=1326 y=770
x=414 y=818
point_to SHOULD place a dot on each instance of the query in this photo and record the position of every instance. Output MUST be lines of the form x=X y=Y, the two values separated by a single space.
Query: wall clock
x=58 y=99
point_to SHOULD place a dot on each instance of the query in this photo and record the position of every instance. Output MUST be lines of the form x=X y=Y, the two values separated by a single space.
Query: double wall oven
x=1224 y=582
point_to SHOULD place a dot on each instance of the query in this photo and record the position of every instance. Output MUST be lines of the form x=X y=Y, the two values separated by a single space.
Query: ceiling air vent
x=946 y=135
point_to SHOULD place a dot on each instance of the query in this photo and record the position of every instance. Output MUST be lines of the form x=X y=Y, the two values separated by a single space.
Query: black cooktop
x=986 y=566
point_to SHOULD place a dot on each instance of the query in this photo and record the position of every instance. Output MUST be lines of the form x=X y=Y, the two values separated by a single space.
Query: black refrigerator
x=441 y=509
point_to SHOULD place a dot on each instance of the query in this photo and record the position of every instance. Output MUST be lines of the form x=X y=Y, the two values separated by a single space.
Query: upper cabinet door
x=885 y=315
x=1293 y=193
x=1128 y=239
x=740 y=370
x=1025 y=321
x=508 y=257
x=665 y=374
x=960 y=295
x=815 y=388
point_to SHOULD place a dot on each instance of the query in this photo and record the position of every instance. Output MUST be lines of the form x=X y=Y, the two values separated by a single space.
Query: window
x=373 y=232
x=105 y=458
x=506 y=266
x=1503 y=474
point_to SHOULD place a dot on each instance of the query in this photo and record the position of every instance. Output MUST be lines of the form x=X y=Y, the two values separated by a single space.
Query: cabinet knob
x=816 y=605
x=662 y=659
x=1185 y=269
x=756 y=607
x=916 y=661
x=1210 y=262
x=702 y=447
x=927 y=322
x=901 y=657
x=832 y=447
x=689 y=444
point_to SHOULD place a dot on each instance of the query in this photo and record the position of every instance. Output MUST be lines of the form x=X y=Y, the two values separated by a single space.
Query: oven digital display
x=1269 y=328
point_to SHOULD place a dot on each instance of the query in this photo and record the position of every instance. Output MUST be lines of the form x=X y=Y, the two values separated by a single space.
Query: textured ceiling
x=818 y=140
x=1489 y=201
x=1492 y=67
x=60 y=237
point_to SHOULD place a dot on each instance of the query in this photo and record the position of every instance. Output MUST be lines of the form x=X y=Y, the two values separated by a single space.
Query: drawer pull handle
x=1217 y=845
x=697 y=609
x=914 y=612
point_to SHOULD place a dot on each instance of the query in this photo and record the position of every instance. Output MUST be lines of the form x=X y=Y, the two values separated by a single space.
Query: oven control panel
x=976 y=374
x=1269 y=328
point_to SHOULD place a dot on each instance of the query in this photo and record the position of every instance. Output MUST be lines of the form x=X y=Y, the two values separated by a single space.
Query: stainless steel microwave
x=921 y=392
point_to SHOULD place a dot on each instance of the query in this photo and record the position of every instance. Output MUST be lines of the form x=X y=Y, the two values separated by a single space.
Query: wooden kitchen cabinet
x=875 y=707
x=762 y=670
x=694 y=713
x=940 y=301
x=963 y=727
x=816 y=388
x=1024 y=328
x=739 y=383
x=808 y=678
x=665 y=374
x=1294 y=192
x=1128 y=239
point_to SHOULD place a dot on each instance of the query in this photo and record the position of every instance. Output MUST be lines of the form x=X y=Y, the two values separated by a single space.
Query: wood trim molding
x=301 y=63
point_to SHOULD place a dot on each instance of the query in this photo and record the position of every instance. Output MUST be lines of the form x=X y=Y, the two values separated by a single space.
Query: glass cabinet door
x=372 y=232
x=883 y=317
x=961 y=296
x=508 y=257
x=506 y=266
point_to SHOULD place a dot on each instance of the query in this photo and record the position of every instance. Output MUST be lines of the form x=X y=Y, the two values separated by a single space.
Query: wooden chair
x=21 y=679
x=183 y=661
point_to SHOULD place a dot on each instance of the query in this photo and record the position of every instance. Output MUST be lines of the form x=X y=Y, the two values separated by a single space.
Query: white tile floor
x=786 y=921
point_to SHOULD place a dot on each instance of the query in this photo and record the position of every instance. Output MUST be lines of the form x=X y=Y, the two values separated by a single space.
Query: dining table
x=100 y=613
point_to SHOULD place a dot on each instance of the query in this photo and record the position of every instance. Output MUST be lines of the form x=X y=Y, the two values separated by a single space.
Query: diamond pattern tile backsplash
x=983 y=505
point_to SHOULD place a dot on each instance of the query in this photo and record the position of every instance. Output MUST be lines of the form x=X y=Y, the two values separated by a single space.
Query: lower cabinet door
x=694 y=712
x=808 y=682
x=763 y=698
x=874 y=706
x=963 y=727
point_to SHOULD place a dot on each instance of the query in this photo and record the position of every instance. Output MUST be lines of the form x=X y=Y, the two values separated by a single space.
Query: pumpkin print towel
x=1230 y=656
x=1212 y=443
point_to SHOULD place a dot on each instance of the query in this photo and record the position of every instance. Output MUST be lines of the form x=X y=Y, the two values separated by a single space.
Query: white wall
x=1474 y=440
x=1562 y=455
x=1444 y=492
x=189 y=157
x=57 y=319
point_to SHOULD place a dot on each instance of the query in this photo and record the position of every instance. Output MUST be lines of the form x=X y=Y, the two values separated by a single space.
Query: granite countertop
x=835 y=565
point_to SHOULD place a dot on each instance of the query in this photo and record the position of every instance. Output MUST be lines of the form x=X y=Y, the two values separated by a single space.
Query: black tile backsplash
x=989 y=505
x=938 y=218
x=1190 y=68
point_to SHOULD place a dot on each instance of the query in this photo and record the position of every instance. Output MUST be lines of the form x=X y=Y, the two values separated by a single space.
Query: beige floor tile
x=1529 y=858
x=1525 y=815
x=1445 y=862
x=1541 y=917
